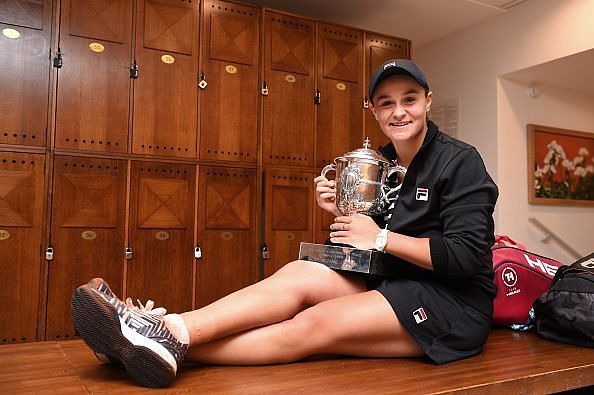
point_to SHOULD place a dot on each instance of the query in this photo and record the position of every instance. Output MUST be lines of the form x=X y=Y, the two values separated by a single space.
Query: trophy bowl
x=363 y=185
x=362 y=178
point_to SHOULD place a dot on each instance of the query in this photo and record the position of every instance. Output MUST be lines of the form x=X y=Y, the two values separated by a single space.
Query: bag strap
x=506 y=241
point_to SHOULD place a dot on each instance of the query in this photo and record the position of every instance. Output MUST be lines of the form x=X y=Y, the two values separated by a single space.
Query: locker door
x=227 y=232
x=340 y=115
x=87 y=233
x=229 y=104
x=378 y=49
x=161 y=234
x=165 y=92
x=288 y=130
x=94 y=80
x=289 y=201
x=25 y=37
x=21 y=227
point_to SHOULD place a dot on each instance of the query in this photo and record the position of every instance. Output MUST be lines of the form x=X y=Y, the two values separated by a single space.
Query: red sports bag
x=521 y=277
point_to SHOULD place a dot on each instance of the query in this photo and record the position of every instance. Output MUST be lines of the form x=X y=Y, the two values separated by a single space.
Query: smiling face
x=400 y=107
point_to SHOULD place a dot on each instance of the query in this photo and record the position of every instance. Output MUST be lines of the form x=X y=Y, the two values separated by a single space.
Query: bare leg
x=297 y=285
x=362 y=324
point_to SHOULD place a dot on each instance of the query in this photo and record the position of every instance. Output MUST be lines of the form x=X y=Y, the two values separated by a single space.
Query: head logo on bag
x=544 y=267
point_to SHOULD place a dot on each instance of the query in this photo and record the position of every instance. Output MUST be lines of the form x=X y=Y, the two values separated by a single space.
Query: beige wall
x=494 y=113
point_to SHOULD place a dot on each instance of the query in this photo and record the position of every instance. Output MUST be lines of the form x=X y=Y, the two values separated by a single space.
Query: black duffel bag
x=565 y=312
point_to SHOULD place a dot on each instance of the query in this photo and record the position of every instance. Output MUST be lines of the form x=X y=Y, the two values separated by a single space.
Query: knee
x=304 y=335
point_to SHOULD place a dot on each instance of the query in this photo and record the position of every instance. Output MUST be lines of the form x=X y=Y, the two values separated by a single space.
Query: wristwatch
x=381 y=240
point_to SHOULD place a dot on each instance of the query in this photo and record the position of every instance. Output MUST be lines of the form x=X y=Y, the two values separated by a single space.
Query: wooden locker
x=21 y=230
x=227 y=233
x=229 y=103
x=24 y=74
x=87 y=233
x=93 y=91
x=162 y=234
x=378 y=49
x=339 y=118
x=289 y=202
x=165 y=92
x=289 y=126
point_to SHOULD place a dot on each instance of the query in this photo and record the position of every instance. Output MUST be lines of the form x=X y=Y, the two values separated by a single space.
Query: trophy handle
x=391 y=171
x=327 y=168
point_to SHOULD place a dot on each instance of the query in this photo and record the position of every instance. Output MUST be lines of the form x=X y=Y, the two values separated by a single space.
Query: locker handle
x=197 y=252
x=128 y=253
x=317 y=97
x=365 y=103
x=134 y=70
x=57 y=63
x=264 y=90
x=202 y=81
x=49 y=253
x=265 y=252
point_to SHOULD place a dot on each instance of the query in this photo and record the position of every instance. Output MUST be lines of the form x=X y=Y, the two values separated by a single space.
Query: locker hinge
x=58 y=60
x=197 y=252
x=134 y=70
x=264 y=90
x=365 y=103
x=202 y=81
x=265 y=252
x=317 y=97
x=49 y=253
x=128 y=253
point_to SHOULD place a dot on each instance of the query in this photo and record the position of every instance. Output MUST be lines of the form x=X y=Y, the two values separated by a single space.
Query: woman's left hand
x=357 y=230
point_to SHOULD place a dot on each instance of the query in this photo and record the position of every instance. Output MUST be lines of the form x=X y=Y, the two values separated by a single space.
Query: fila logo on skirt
x=419 y=315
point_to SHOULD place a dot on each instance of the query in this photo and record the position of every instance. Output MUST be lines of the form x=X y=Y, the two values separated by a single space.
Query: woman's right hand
x=326 y=195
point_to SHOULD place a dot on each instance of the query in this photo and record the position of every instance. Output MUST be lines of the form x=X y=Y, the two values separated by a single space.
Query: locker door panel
x=87 y=233
x=340 y=115
x=229 y=105
x=289 y=201
x=94 y=80
x=21 y=226
x=25 y=71
x=378 y=49
x=165 y=92
x=288 y=130
x=161 y=234
x=227 y=232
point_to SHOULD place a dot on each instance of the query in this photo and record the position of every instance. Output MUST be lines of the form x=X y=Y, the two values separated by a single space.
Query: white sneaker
x=138 y=337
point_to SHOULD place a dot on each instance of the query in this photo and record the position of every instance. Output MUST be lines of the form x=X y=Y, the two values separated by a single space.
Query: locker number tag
x=4 y=234
x=290 y=78
x=161 y=235
x=167 y=59
x=231 y=69
x=11 y=33
x=96 y=47
x=226 y=235
x=89 y=235
x=340 y=86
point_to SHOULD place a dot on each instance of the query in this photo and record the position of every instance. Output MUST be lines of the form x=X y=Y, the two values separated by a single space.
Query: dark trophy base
x=347 y=258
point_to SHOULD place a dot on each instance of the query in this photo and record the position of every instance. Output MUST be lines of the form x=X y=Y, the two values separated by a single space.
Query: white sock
x=177 y=327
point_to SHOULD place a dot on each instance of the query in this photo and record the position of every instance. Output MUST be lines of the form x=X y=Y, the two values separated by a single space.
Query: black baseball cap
x=396 y=66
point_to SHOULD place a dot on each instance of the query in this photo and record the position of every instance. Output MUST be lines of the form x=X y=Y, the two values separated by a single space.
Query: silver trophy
x=364 y=184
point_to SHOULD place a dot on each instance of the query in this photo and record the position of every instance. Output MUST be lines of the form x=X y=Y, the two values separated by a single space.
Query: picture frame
x=560 y=166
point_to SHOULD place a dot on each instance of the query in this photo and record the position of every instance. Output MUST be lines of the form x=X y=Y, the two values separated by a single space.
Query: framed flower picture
x=560 y=166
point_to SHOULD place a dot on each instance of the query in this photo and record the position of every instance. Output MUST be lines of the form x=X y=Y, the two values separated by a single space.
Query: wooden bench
x=512 y=363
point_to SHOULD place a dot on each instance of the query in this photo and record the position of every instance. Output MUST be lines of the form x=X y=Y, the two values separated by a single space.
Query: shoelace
x=148 y=309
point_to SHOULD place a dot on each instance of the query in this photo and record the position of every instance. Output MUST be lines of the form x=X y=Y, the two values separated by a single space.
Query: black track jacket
x=448 y=196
